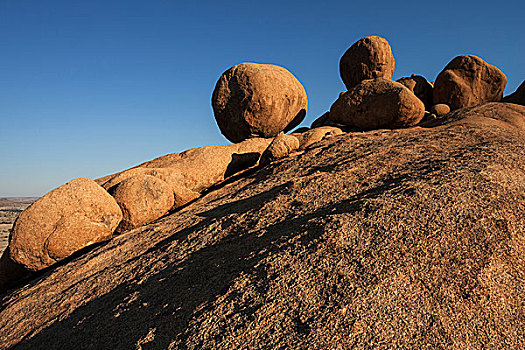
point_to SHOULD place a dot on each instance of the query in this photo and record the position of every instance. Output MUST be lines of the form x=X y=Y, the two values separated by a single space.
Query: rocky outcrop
x=407 y=238
x=65 y=220
x=196 y=169
x=469 y=81
x=257 y=100
x=517 y=97
x=142 y=199
x=378 y=103
x=369 y=58
x=421 y=87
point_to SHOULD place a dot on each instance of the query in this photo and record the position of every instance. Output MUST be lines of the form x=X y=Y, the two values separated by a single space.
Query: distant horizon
x=89 y=89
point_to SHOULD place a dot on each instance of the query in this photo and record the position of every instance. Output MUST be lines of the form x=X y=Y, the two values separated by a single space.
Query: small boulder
x=440 y=110
x=143 y=199
x=469 y=81
x=280 y=147
x=378 y=103
x=369 y=58
x=517 y=97
x=258 y=100
x=318 y=134
x=65 y=220
x=421 y=87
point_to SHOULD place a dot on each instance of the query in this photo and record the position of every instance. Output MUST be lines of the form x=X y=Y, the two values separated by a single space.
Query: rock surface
x=315 y=135
x=67 y=219
x=142 y=199
x=197 y=169
x=280 y=147
x=517 y=97
x=469 y=81
x=378 y=103
x=440 y=109
x=258 y=100
x=408 y=238
x=369 y=58
x=421 y=87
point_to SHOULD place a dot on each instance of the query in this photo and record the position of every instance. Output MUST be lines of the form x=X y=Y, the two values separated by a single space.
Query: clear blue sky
x=92 y=87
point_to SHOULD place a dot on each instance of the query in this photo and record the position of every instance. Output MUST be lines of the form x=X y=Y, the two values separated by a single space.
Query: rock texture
x=518 y=97
x=421 y=87
x=315 y=135
x=195 y=170
x=409 y=238
x=258 y=100
x=67 y=219
x=469 y=81
x=369 y=58
x=378 y=103
x=142 y=199
x=440 y=109
x=280 y=147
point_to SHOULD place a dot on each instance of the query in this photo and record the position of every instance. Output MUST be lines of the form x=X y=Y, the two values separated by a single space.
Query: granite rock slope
x=409 y=238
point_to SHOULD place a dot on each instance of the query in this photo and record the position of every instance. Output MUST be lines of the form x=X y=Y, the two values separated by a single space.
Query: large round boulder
x=143 y=199
x=421 y=87
x=257 y=100
x=65 y=220
x=378 y=103
x=469 y=81
x=369 y=58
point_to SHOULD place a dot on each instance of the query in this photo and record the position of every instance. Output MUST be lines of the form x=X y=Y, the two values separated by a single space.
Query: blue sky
x=92 y=87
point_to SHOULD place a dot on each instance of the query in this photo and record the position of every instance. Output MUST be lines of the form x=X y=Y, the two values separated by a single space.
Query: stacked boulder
x=373 y=100
x=258 y=100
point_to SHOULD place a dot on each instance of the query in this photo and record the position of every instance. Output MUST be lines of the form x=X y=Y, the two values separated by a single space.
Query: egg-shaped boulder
x=258 y=100
x=64 y=221
x=369 y=58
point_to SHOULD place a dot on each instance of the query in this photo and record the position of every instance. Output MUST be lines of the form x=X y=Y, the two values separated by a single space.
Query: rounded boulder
x=440 y=110
x=469 y=81
x=376 y=104
x=65 y=220
x=143 y=199
x=258 y=100
x=369 y=58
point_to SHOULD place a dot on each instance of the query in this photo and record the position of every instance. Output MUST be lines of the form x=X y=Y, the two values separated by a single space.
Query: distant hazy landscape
x=10 y=207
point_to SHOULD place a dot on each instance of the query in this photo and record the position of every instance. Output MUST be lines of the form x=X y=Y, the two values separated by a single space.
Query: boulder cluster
x=254 y=104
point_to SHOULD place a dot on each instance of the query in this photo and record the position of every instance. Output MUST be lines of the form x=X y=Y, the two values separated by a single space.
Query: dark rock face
x=408 y=238
x=369 y=58
x=469 y=81
x=518 y=97
x=421 y=87
x=258 y=100
x=378 y=103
